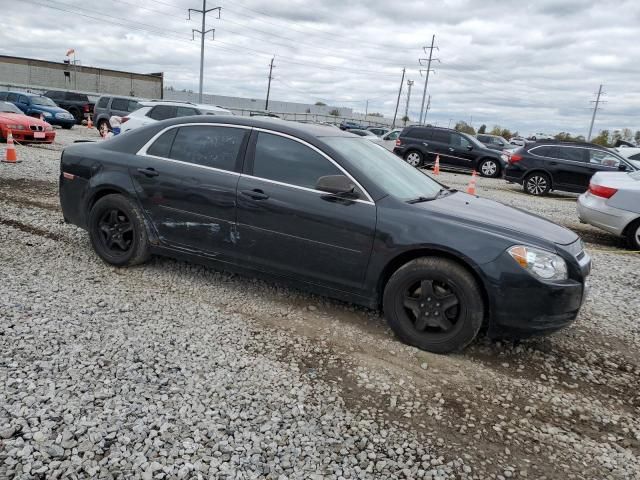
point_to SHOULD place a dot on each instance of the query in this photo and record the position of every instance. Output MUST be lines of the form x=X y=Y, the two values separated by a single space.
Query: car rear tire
x=489 y=168
x=414 y=158
x=537 y=183
x=633 y=235
x=434 y=304
x=67 y=127
x=117 y=231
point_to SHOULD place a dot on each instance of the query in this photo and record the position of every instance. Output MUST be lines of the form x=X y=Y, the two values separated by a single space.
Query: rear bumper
x=595 y=211
x=513 y=174
x=522 y=306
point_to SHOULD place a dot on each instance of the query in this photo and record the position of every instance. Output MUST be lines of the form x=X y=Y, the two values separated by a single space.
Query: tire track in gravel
x=341 y=372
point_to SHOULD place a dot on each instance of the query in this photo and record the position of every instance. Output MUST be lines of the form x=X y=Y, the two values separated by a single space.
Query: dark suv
x=567 y=166
x=458 y=151
x=77 y=104
x=493 y=142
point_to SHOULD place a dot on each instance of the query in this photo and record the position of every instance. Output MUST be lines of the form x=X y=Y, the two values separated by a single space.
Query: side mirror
x=622 y=167
x=469 y=147
x=337 y=185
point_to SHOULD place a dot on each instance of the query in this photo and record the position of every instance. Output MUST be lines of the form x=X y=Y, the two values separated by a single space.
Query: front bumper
x=595 y=211
x=29 y=136
x=522 y=305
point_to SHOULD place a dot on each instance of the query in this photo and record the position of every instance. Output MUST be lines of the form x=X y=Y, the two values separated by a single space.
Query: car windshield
x=45 y=101
x=6 y=107
x=393 y=174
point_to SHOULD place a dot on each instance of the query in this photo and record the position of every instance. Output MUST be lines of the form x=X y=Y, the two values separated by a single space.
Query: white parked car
x=518 y=141
x=536 y=137
x=157 y=110
x=612 y=203
x=630 y=153
x=389 y=139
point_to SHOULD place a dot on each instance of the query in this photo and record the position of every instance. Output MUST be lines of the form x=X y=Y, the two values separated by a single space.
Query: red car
x=23 y=128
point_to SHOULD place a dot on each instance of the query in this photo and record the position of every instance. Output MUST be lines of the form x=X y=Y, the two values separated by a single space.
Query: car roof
x=121 y=96
x=565 y=143
x=26 y=94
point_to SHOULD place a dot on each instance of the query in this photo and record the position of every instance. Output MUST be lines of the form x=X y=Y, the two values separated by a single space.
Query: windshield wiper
x=421 y=199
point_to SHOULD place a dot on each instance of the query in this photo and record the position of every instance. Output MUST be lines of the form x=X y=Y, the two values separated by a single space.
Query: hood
x=21 y=119
x=47 y=108
x=495 y=216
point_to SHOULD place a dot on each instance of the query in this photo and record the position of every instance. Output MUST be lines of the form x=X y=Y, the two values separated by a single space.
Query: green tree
x=602 y=139
x=496 y=130
x=636 y=137
x=627 y=135
x=321 y=104
x=464 y=127
x=615 y=136
x=335 y=112
x=405 y=119
x=482 y=129
x=506 y=133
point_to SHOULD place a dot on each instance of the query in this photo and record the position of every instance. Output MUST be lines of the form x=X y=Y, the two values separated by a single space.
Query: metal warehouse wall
x=40 y=74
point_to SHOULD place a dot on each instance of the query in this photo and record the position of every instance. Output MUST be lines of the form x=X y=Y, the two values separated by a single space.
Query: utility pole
x=426 y=112
x=595 y=110
x=406 y=108
x=266 y=104
x=426 y=81
x=393 y=124
x=366 y=111
x=202 y=33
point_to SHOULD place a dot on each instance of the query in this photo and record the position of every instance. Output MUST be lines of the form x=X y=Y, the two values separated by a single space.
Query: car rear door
x=287 y=227
x=571 y=167
x=419 y=138
x=186 y=182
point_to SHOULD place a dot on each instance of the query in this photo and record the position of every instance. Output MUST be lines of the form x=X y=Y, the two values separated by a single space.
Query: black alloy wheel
x=434 y=304
x=117 y=231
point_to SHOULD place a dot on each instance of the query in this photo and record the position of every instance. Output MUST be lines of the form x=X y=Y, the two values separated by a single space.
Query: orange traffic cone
x=436 y=166
x=89 y=122
x=471 y=188
x=10 y=152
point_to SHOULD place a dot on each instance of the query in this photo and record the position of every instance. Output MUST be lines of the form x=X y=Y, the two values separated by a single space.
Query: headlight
x=541 y=263
x=15 y=127
x=46 y=114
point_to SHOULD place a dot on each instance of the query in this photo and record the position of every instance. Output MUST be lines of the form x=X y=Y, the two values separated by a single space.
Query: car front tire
x=489 y=168
x=537 y=184
x=117 y=231
x=434 y=304
x=414 y=158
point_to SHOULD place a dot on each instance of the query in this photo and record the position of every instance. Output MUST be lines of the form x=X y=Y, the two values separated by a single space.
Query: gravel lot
x=173 y=370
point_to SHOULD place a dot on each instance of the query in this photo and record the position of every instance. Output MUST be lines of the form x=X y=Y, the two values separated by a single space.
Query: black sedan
x=329 y=212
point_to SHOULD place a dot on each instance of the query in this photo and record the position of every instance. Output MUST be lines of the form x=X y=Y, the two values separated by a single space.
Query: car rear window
x=162 y=112
x=208 y=146
x=124 y=105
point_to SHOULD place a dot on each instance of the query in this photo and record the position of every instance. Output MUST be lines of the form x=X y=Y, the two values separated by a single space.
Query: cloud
x=530 y=67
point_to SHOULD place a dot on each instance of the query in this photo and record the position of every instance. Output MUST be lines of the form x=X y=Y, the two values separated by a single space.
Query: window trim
x=323 y=154
x=586 y=164
x=145 y=147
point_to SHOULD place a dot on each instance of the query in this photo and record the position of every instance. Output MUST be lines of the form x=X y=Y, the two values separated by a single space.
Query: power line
x=203 y=33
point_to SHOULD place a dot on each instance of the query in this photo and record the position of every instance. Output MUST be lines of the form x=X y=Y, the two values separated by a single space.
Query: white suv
x=156 y=110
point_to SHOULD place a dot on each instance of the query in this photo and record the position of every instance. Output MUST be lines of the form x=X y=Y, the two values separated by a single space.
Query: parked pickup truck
x=77 y=104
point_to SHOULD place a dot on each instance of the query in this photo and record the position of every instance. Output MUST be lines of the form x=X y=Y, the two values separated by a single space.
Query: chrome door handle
x=149 y=172
x=425 y=144
x=451 y=149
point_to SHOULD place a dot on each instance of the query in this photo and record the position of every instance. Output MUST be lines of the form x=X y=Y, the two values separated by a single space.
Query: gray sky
x=530 y=68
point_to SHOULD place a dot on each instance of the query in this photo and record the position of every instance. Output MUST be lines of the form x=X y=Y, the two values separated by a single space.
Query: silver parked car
x=612 y=203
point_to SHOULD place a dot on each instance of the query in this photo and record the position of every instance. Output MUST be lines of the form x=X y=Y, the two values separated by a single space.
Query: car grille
x=37 y=128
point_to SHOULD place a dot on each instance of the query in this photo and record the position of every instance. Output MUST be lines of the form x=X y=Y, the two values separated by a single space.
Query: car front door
x=460 y=152
x=186 y=182
x=288 y=227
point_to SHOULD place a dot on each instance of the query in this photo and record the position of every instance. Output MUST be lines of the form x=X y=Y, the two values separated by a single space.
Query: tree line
x=605 y=138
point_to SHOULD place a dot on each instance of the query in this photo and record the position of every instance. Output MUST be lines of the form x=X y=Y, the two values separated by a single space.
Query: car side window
x=632 y=157
x=12 y=97
x=162 y=112
x=284 y=160
x=103 y=102
x=392 y=136
x=441 y=136
x=570 y=153
x=162 y=146
x=216 y=147
x=22 y=99
x=120 y=104
x=186 y=111
x=602 y=158
x=133 y=106
x=482 y=138
x=458 y=141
